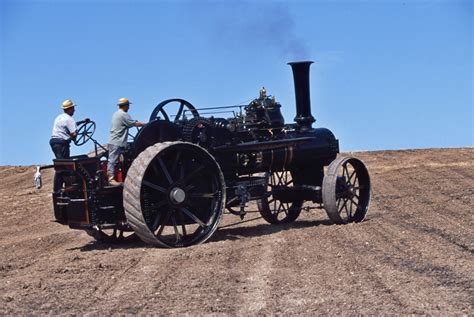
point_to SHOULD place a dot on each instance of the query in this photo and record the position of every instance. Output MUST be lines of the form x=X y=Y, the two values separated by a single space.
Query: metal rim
x=171 y=113
x=84 y=132
x=275 y=211
x=174 y=194
x=346 y=190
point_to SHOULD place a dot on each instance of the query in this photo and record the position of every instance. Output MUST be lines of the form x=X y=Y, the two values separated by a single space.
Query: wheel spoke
x=193 y=217
x=277 y=178
x=180 y=110
x=344 y=205
x=203 y=195
x=281 y=179
x=155 y=187
x=158 y=205
x=176 y=162
x=189 y=187
x=165 y=116
x=183 y=225
x=165 y=170
x=163 y=224
x=279 y=208
x=156 y=222
x=350 y=210
x=175 y=227
x=348 y=173
x=347 y=206
x=155 y=169
x=355 y=203
x=356 y=179
x=192 y=174
x=352 y=175
x=347 y=211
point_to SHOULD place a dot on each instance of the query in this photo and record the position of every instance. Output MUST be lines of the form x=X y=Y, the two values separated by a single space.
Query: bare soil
x=413 y=254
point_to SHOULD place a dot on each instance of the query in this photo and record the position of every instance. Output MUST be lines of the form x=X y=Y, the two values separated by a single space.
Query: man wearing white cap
x=121 y=122
x=64 y=129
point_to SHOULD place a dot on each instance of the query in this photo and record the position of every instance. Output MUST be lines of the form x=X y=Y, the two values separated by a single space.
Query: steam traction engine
x=185 y=167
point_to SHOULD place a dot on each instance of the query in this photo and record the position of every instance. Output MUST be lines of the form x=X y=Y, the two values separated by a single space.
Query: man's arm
x=72 y=128
x=129 y=122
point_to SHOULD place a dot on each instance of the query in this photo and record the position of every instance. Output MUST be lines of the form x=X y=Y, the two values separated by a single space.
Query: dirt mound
x=413 y=255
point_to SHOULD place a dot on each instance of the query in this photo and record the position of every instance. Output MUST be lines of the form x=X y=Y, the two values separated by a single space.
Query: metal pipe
x=303 y=118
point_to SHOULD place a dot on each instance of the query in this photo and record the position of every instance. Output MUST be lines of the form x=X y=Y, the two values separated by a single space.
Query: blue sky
x=388 y=74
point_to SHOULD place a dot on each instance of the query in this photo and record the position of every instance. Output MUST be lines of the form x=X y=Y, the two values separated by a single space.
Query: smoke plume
x=260 y=25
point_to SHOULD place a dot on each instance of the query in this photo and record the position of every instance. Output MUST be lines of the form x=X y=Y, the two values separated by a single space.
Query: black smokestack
x=303 y=102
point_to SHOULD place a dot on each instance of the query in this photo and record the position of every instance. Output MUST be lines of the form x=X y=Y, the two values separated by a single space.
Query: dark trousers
x=60 y=148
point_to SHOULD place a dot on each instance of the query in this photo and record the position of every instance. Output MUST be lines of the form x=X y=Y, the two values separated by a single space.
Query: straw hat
x=67 y=104
x=123 y=101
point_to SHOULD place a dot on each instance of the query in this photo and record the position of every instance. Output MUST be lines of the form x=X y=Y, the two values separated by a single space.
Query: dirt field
x=413 y=255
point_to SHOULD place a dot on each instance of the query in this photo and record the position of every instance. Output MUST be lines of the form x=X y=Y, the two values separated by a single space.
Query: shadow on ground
x=228 y=232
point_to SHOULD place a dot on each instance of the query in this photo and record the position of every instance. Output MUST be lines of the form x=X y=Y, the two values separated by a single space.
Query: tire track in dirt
x=415 y=197
x=449 y=214
x=447 y=224
x=418 y=276
x=257 y=280
x=363 y=266
x=410 y=223
x=107 y=287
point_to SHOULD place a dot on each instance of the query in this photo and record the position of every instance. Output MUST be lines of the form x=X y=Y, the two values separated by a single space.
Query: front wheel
x=346 y=190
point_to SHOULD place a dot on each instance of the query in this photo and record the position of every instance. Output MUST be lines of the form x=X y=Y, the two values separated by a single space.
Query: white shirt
x=63 y=126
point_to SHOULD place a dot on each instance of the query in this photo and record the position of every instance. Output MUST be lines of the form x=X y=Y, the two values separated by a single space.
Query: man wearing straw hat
x=121 y=122
x=64 y=129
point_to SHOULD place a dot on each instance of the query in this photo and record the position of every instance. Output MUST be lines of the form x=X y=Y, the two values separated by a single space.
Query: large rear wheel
x=174 y=194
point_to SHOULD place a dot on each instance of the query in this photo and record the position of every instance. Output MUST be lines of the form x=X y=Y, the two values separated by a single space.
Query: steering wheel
x=174 y=110
x=85 y=130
